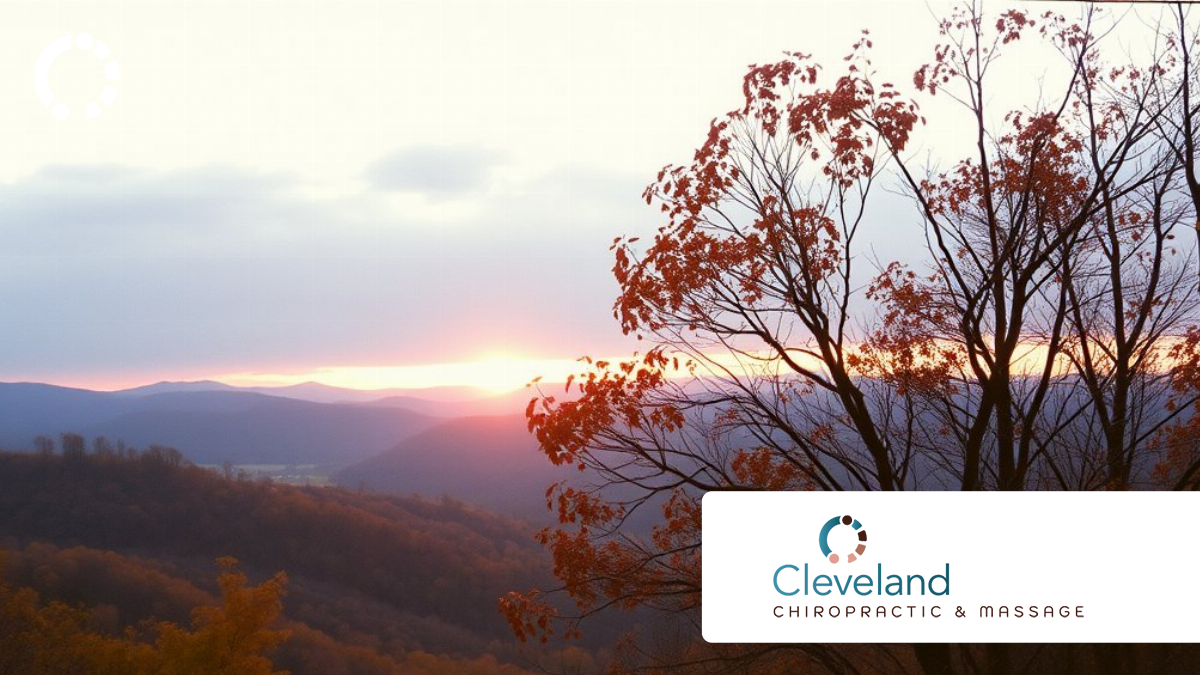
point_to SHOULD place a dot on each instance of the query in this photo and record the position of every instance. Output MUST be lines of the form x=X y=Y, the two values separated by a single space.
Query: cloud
x=435 y=171
x=95 y=210
x=127 y=273
x=119 y=272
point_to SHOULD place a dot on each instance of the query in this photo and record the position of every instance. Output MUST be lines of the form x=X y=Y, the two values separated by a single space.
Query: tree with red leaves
x=1042 y=343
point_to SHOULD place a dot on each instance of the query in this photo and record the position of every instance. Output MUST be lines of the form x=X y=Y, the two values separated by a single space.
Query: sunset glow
x=492 y=375
x=501 y=374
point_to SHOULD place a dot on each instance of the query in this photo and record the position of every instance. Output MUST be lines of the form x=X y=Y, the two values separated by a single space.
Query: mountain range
x=436 y=401
x=449 y=441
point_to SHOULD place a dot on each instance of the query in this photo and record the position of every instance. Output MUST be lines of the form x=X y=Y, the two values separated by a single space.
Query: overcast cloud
x=435 y=171
x=292 y=186
x=228 y=270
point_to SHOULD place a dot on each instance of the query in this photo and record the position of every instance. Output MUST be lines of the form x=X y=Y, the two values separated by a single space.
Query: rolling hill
x=490 y=461
x=378 y=585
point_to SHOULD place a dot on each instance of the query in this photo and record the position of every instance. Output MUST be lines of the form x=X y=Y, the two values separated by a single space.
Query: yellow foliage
x=39 y=638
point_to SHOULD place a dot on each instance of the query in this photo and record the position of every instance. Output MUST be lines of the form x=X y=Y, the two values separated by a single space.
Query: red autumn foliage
x=1041 y=342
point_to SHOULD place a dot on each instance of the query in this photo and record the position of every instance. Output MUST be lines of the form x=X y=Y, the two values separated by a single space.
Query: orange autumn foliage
x=231 y=639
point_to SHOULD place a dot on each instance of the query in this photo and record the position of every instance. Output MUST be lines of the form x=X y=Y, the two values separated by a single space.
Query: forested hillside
x=375 y=584
x=491 y=461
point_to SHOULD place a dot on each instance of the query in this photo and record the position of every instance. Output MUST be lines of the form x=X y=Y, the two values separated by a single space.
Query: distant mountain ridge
x=435 y=401
x=208 y=425
x=477 y=450
x=168 y=387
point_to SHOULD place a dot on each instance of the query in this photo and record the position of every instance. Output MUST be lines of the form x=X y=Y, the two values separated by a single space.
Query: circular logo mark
x=843 y=520
x=41 y=72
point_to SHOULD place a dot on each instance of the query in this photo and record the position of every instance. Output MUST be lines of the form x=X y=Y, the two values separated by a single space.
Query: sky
x=371 y=194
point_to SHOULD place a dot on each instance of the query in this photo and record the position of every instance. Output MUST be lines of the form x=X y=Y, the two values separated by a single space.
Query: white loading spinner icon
x=41 y=72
